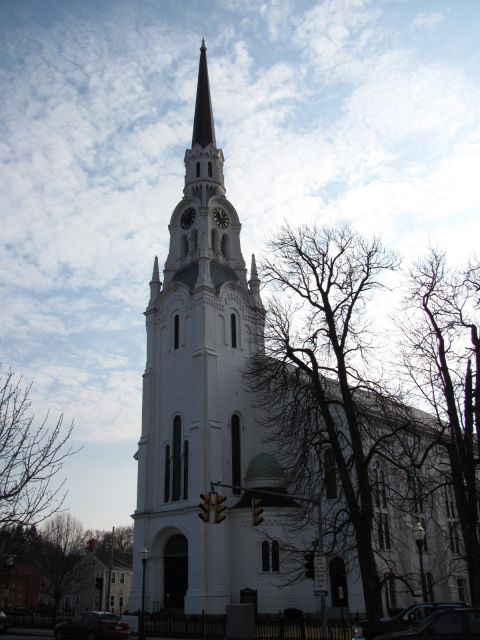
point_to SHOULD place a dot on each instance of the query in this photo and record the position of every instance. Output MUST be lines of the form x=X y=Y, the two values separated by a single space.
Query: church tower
x=198 y=422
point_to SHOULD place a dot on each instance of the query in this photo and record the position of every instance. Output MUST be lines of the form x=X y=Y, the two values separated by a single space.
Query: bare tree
x=63 y=547
x=312 y=375
x=441 y=329
x=31 y=456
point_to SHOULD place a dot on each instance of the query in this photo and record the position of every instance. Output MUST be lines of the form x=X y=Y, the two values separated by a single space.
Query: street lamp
x=143 y=557
x=9 y=562
x=419 y=535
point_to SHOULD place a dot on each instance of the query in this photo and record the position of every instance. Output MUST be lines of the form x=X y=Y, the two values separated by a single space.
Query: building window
x=383 y=529
x=461 y=589
x=389 y=590
x=176 y=459
x=236 y=460
x=214 y=240
x=112 y=603
x=275 y=556
x=122 y=578
x=176 y=331
x=453 y=537
x=113 y=577
x=120 y=604
x=380 y=496
x=450 y=502
x=270 y=556
x=330 y=475
x=233 y=328
x=185 y=470
x=210 y=170
x=194 y=238
x=265 y=556
x=176 y=465
x=185 y=245
x=166 y=494
x=224 y=245
x=198 y=169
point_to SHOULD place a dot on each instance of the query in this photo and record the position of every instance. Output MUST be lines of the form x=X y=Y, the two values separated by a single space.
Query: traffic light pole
x=320 y=548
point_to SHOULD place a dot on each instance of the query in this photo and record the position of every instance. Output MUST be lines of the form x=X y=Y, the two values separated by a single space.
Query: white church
x=200 y=424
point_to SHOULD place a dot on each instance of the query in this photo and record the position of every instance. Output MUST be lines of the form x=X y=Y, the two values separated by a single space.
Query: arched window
x=233 y=328
x=210 y=171
x=270 y=556
x=198 y=169
x=330 y=475
x=224 y=245
x=275 y=556
x=166 y=486
x=214 y=240
x=185 y=245
x=265 y=555
x=194 y=239
x=236 y=460
x=177 y=459
x=176 y=331
x=185 y=470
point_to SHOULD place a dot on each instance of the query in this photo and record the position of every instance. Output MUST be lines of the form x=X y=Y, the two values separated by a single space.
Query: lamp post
x=8 y=565
x=419 y=535
x=143 y=556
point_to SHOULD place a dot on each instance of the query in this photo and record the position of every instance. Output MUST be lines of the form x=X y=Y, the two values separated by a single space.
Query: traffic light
x=219 y=508
x=205 y=507
x=309 y=571
x=257 y=510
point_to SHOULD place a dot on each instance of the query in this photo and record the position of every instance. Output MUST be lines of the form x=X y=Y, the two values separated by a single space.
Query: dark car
x=5 y=622
x=407 y=618
x=452 y=624
x=93 y=625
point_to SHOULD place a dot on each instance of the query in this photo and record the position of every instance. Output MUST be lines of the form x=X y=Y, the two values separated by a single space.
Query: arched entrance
x=338 y=583
x=175 y=571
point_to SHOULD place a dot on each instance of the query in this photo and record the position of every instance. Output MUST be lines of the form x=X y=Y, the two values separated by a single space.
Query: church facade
x=200 y=423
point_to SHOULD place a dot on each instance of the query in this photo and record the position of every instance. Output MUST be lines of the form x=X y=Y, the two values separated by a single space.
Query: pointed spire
x=254 y=282
x=155 y=284
x=203 y=127
x=253 y=270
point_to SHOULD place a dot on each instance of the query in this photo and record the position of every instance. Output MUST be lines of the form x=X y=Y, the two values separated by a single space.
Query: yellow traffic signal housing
x=257 y=510
x=309 y=565
x=219 y=508
x=205 y=507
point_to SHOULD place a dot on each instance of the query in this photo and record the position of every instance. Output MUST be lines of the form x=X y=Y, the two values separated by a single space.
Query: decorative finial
x=203 y=47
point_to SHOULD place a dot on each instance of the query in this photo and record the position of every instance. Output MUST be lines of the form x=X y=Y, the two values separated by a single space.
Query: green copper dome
x=265 y=471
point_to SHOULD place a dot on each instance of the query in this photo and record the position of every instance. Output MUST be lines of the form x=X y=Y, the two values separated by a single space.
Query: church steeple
x=203 y=127
x=205 y=249
x=203 y=162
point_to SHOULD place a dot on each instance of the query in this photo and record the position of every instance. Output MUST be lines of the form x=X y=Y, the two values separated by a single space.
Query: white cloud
x=427 y=20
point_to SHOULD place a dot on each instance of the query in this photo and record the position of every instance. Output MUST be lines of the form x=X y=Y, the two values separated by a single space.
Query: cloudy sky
x=334 y=111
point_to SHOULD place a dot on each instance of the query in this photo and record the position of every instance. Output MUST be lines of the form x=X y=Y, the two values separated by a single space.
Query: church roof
x=264 y=471
x=203 y=127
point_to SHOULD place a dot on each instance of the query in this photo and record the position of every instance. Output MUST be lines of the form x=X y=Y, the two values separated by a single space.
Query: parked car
x=93 y=625
x=5 y=622
x=407 y=618
x=451 y=624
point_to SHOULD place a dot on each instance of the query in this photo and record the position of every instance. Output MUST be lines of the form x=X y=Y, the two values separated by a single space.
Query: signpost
x=320 y=565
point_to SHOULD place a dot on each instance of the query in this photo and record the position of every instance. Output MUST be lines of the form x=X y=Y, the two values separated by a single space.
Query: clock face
x=220 y=217
x=188 y=217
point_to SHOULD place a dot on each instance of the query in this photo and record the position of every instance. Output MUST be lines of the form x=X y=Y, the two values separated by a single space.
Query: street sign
x=320 y=593
x=320 y=564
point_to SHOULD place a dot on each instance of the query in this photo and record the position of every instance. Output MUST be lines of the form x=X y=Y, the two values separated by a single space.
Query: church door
x=175 y=577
